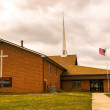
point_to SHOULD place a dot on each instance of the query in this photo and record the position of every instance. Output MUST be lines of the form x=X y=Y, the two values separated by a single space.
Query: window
x=50 y=68
x=76 y=84
x=55 y=71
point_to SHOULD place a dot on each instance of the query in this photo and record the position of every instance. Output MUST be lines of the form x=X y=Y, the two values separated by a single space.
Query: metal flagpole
x=107 y=68
x=1 y=62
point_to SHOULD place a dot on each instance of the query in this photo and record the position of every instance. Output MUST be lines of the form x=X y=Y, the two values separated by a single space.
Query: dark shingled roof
x=69 y=63
x=64 y=61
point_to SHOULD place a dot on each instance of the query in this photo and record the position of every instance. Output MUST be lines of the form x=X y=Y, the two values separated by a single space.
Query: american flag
x=102 y=51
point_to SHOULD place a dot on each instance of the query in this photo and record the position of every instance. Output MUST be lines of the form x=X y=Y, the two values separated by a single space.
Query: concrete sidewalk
x=100 y=101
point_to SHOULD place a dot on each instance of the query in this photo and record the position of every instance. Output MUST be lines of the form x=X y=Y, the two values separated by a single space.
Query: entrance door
x=96 y=85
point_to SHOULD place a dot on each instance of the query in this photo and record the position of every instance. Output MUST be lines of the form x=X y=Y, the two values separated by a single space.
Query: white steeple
x=64 y=52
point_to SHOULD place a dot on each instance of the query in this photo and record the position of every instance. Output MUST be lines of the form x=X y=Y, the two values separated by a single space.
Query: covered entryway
x=96 y=85
x=94 y=82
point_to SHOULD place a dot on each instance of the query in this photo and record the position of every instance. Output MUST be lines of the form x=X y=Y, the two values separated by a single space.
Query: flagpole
x=107 y=68
x=1 y=62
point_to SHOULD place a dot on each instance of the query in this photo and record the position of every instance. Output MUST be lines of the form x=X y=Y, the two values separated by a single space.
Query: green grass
x=59 y=101
x=108 y=95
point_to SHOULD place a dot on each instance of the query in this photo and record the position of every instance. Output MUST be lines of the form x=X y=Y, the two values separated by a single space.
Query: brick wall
x=52 y=78
x=67 y=86
x=85 y=85
x=26 y=70
x=105 y=85
x=24 y=67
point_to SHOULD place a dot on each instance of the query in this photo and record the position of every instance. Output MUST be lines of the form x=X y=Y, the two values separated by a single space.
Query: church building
x=26 y=71
x=80 y=78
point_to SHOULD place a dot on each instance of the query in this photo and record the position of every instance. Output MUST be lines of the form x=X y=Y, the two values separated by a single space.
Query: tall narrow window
x=50 y=68
x=56 y=71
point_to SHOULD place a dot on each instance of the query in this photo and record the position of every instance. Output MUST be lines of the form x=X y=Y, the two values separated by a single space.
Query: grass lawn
x=107 y=94
x=59 y=101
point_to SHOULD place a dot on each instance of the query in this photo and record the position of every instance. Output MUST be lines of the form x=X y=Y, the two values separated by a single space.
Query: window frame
x=56 y=71
x=76 y=84
x=49 y=68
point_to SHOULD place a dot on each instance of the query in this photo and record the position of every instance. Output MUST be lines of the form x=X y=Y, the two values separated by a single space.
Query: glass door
x=96 y=85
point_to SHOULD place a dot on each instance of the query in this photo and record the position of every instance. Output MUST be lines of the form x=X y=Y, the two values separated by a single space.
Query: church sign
x=5 y=82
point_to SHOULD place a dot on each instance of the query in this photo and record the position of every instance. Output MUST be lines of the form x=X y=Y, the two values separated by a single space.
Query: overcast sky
x=39 y=24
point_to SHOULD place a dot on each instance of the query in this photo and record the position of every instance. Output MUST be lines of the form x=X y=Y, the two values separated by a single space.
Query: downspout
x=43 y=71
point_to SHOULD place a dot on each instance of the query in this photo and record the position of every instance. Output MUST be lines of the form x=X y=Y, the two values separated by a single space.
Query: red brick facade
x=31 y=73
x=26 y=70
x=52 y=78
x=67 y=85
x=105 y=85
x=85 y=86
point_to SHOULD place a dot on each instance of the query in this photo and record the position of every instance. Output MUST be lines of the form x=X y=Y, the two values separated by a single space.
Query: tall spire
x=64 y=52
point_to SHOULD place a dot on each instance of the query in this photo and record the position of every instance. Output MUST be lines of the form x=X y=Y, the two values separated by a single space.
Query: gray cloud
x=35 y=33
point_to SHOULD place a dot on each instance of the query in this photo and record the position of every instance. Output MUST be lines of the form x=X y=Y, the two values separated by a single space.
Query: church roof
x=65 y=61
x=2 y=40
x=70 y=63
x=81 y=70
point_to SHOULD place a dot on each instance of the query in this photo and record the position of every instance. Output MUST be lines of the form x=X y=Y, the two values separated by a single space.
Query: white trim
x=21 y=47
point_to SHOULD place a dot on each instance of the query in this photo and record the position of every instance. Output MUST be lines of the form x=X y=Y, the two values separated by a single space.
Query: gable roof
x=65 y=61
x=42 y=55
x=5 y=41
x=73 y=69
